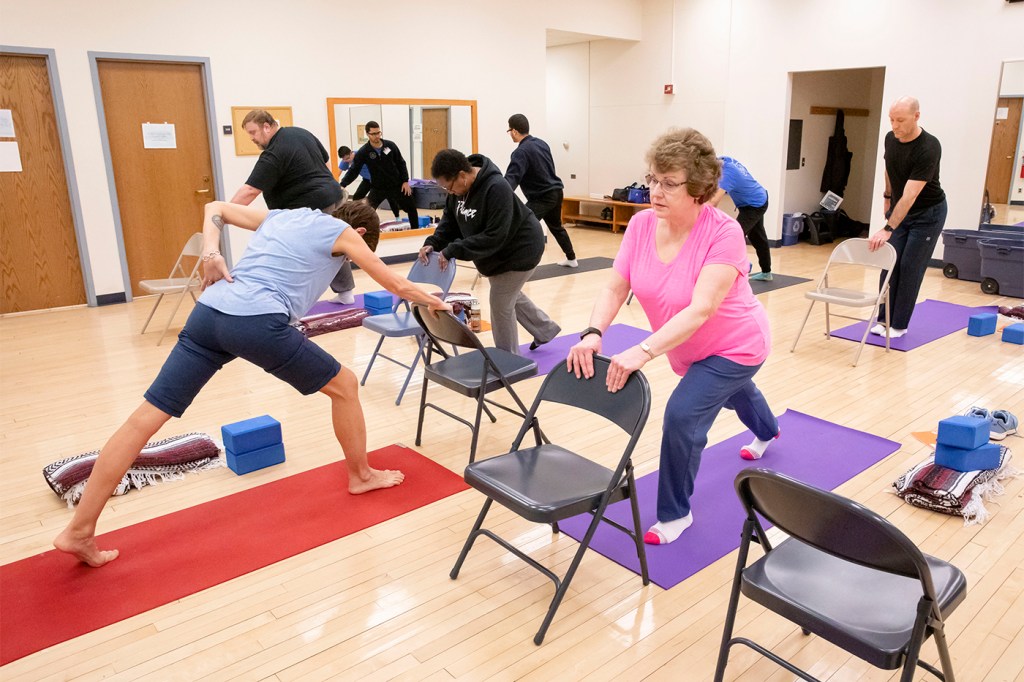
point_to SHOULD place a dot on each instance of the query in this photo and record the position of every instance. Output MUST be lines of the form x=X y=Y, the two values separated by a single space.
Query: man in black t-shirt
x=292 y=173
x=389 y=172
x=915 y=210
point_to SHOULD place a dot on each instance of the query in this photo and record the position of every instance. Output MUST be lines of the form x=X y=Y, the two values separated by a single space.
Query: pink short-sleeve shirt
x=738 y=330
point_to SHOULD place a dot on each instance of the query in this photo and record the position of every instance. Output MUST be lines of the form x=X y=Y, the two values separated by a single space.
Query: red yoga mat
x=51 y=598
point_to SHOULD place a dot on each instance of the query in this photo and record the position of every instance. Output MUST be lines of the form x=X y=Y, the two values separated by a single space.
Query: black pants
x=548 y=207
x=361 y=191
x=751 y=219
x=396 y=200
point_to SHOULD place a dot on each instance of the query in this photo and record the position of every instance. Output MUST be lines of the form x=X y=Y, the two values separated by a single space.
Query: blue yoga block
x=251 y=434
x=1014 y=334
x=961 y=459
x=982 y=324
x=244 y=462
x=378 y=300
x=964 y=432
x=424 y=220
x=378 y=311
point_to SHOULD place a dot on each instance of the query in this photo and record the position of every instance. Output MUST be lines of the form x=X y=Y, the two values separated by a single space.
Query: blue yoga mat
x=931 y=321
x=810 y=449
x=616 y=339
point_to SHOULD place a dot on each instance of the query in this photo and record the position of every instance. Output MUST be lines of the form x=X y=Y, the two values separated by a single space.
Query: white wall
x=846 y=89
x=290 y=54
x=568 y=115
x=731 y=63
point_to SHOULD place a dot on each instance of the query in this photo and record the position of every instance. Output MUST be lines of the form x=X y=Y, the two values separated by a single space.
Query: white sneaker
x=345 y=298
x=569 y=263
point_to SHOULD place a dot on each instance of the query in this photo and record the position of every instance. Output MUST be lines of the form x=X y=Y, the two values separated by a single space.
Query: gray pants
x=511 y=307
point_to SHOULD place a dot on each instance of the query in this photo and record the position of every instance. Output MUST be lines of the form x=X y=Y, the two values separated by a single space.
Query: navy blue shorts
x=211 y=339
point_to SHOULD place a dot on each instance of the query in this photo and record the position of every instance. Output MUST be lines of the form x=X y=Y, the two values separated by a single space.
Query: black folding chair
x=473 y=374
x=845 y=574
x=548 y=483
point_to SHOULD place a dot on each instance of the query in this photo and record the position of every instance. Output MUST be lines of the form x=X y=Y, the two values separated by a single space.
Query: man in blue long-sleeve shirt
x=532 y=168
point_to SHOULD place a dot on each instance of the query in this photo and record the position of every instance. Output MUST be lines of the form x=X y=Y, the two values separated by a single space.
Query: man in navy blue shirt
x=533 y=169
x=751 y=200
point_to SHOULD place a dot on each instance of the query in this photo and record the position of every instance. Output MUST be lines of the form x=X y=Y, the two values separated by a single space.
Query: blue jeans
x=707 y=387
x=914 y=241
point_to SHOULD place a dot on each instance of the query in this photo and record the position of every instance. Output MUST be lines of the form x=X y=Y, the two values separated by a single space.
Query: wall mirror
x=1004 y=177
x=420 y=127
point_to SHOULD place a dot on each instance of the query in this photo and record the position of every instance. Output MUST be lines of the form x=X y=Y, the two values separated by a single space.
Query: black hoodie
x=489 y=225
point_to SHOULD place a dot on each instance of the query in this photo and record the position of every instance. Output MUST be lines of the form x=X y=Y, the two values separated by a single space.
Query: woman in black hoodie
x=485 y=222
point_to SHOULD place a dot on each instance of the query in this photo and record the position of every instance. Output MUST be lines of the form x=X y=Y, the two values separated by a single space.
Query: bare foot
x=84 y=548
x=376 y=479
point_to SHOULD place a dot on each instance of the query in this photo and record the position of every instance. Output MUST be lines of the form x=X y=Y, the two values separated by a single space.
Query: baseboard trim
x=111 y=299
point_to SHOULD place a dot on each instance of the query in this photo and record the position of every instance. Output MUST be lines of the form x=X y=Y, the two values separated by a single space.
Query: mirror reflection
x=1003 y=202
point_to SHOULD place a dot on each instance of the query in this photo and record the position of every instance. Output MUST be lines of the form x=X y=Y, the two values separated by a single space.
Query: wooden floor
x=378 y=605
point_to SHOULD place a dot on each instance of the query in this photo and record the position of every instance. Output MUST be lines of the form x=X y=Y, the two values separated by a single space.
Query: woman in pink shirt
x=686 y=262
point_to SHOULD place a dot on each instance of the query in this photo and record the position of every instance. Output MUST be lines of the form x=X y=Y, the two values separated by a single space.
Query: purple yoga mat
x=328 y=307
x=616 y=339
x=812 y=450
x=931 y=320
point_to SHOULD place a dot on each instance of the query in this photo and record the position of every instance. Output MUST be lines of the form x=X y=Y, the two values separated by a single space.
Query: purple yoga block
x=251 y=434
x=961 y=459
x=981 y=324
x=244 y=462
x=1014 y=334
x=963 y=432
x=378 y=300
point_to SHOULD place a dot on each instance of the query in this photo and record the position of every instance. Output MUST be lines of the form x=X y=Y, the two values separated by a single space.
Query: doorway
x=156 y=122
x=435 y=135
x=1001 y=152
x=40 y=256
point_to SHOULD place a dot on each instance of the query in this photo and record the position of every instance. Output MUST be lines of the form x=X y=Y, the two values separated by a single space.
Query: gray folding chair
x=548 y=483
x=401 y=323
x=473 y=374
x=177 y=282
x=844 y=574
x=853 y=252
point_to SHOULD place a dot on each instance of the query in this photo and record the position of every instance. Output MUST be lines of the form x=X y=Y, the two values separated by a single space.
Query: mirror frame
x=332 y=101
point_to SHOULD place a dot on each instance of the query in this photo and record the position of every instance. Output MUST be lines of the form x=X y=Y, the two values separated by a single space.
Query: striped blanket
x=166 y=460
x=960 y=493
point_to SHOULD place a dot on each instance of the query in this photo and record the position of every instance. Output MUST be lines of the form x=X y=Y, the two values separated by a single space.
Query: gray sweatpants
x=510 y=307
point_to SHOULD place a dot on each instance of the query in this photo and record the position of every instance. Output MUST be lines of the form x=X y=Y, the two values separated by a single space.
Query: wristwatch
x=647 y=349
x=588 y=331
x=889 y=228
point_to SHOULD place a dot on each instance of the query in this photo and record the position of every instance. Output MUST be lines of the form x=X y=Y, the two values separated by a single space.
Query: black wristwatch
x=588 y=331
x=889 y=228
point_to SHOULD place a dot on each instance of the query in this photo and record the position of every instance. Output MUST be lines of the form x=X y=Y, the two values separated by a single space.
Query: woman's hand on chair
x=623 y=364
x=581 y=356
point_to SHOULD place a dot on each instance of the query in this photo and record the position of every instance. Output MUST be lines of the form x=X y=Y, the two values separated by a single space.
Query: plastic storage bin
x=1002 y=266
x=961 y=254
x=430 y=196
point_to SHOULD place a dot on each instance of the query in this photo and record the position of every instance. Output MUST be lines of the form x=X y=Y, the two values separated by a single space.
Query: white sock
x=671 y=530
x=878 y=330
x=895 y=333
x=345 y=297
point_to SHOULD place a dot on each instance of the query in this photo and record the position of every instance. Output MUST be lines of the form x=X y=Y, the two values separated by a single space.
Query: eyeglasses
x=376 y=134
x=450 y=189
x=667 y=186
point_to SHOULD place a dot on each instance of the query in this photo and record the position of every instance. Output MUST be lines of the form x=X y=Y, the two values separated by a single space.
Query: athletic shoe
x=979 y=412
x=567 y=263
x=1003 y=424
x=761 y=277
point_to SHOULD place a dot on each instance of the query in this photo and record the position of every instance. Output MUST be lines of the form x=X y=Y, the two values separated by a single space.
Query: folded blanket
x=166 y=460
x=315 y=325
x=960 y=493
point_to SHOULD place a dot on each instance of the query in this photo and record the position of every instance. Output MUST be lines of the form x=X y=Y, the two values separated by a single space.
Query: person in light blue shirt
x=245 y=312
x=751 y=199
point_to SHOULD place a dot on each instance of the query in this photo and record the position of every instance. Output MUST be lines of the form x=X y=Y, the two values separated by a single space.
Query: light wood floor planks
x=378 y=605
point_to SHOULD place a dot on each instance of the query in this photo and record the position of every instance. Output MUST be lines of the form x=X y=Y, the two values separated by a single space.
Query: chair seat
x=847 y=297
x=543 y=484
x=868 y=612
x=397 y=324
x=462 y=373
x=166 y=286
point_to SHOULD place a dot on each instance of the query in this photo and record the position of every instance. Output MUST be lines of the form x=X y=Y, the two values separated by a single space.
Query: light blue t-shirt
x=743 y=189
x=285 y=269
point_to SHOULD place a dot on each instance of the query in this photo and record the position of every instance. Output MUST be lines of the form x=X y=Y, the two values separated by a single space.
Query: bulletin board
x=243 y=145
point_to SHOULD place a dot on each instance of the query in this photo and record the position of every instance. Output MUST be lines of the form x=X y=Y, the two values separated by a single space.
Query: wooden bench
x=622 y=211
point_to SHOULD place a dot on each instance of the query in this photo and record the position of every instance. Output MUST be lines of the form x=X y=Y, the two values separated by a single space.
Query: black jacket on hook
x=837 y=163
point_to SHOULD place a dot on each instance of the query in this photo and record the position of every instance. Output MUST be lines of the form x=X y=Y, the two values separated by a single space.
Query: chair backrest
x=856 y=252
x=628 y=407
x=432 y=273
x=445 y=328
x=831 y=523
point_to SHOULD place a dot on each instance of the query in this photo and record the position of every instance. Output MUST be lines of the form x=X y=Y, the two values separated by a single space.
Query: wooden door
x=160 y=191
x=39 y=264
x=435 y=136
x=1004 y=146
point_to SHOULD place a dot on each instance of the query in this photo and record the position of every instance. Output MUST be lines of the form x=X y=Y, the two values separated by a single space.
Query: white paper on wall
x=10 y=157
x=6 y=123
x=158 y=136
x=1002 y=113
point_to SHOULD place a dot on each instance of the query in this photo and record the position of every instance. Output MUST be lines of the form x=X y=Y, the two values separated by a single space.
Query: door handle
x=202 y=191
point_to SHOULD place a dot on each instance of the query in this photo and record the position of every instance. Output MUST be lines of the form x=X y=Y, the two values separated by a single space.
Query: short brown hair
x=259 y=117
x=361 y=214
x=686 y=150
